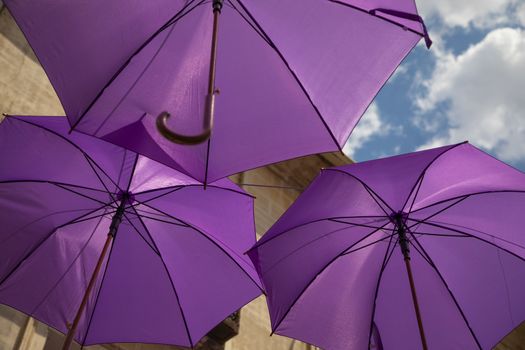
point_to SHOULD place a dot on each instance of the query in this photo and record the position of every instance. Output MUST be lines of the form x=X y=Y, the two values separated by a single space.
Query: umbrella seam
x=69 y=267
x=216 y=244
x=434 y=267
x=257 y=245
x=278 y=323
x=169 y=278
x=140 y=234
x=98 y=292
x=166 y=25
x=369 y=189
x=423 y=172
x=386 y=259
x=86 y=156
x=132 y=174
x=376 y=16
x=466 y=195
x=36 y=247
x=475 y=237
x=294 y=75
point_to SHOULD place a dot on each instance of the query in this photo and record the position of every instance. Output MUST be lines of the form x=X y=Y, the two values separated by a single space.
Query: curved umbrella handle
x=210 y=98
x=189 y=139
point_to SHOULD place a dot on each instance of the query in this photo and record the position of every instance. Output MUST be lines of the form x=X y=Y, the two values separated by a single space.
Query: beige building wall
x=25 y=90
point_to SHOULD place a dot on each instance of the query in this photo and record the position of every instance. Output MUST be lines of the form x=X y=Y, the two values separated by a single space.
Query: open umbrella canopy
x=292 y=77
x=333 y=267
x=175 y=266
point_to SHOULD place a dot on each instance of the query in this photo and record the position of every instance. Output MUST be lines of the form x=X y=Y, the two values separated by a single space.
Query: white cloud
x=483 y=93
x=370 y=125
x=464 y=13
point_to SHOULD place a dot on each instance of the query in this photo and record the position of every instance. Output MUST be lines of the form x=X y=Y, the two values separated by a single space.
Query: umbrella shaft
x=115 y=222
x=73 y=329
x=416 y=304
x=213 y=54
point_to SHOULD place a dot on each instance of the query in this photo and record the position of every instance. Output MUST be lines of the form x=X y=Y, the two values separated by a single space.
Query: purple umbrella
x=341 y=258
x=174 y=266
x=294 y=76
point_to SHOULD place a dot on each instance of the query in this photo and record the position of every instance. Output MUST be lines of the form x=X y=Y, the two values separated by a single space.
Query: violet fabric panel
x=492 y=217
x=407 y=6
x=137 y=302
x=393 y=179
x=302 y=253
x=30 y=213
x=54 y=277
x=463 y=171
x=395 y=316
x=42 y=150
x=341 y=85
x=326 y=198
x=342 y=313
x=219 y=212
x=82 y=59
x=150 y=176
x=195 y=263
x=485 y=281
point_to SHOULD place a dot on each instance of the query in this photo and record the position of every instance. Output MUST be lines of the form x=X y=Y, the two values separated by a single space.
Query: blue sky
x=469 y=86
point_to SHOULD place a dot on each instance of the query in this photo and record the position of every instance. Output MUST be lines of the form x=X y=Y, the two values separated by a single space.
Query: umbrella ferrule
x=217 y=5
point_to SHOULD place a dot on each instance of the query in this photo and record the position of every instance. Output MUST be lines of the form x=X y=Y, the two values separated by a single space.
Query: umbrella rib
x=274 y=329
x=169 y=277
x=175 y=189
x=274 y=47
x=420 y=182
x=35 y=248
x=207 y=162
x=132 y=172
x=49 y=215
x=250 y=23
x=479 y=238
x=446 y=227
x=433 y=265
x=386 y=259
x=195 y=185
x=88 y=159
x=98 y=292
x=374 y=15
x=369 y=244
x=164 y=221
x=423 y=172
x=214 y=243
x=261 y=243
x=140 y=235
x=302 y=246
x=136 y=80
x=86 y=156
x=68 y=269
x=79 y=194
x=459 y=200
x=180 y=14
x=52 y=183
x=466 y=195
x=369 y=190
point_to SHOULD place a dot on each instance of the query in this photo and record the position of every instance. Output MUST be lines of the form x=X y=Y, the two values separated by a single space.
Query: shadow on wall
x=10 y=31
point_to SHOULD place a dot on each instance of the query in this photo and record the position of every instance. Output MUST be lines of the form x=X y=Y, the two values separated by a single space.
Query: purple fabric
x=294 y=76
x=334 y=272
x=176 y=267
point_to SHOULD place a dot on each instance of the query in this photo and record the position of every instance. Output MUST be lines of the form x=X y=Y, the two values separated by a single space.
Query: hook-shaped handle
x=209 y=108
